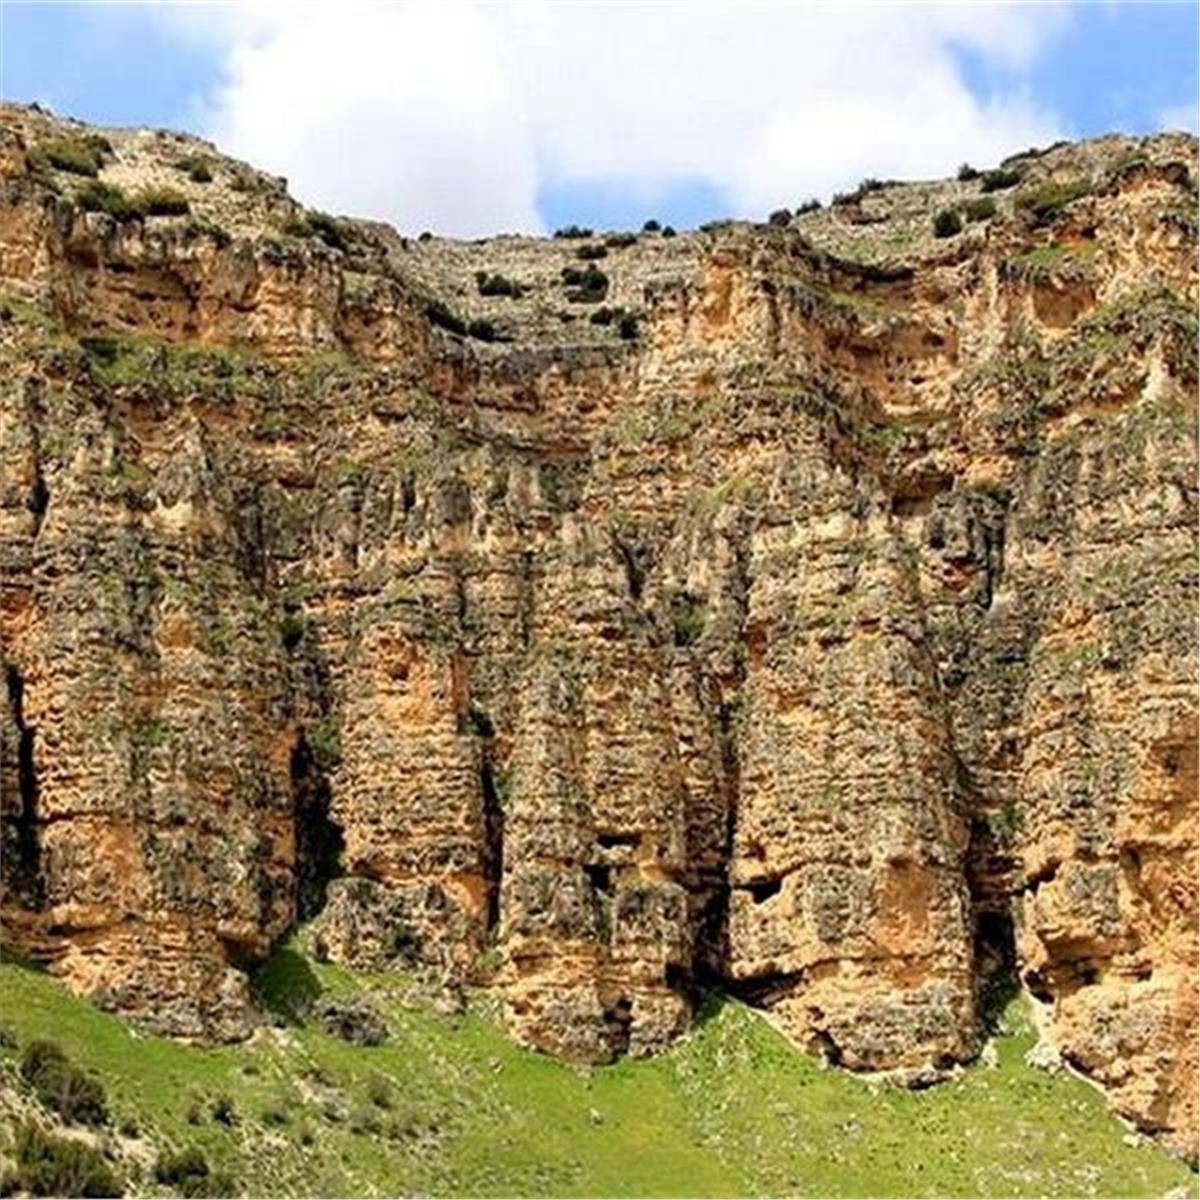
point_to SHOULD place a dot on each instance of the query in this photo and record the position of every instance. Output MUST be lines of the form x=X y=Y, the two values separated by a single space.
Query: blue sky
x=606 y=115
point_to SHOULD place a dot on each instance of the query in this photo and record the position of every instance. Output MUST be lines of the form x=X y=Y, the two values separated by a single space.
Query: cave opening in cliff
x=493 y=841
x=319 y=841
x=618 y=1021
x=995 y=965
x=26 y=873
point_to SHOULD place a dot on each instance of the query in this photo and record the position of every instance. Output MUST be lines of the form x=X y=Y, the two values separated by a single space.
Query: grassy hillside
x=451 y=1105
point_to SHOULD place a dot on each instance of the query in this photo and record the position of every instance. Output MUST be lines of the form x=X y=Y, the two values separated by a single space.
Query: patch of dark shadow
x=319 y=841
x=22 y=839
x=599 y=875
x=996 y=966
x=610 y=841
x=634 y=560
x=677 y=977
x=286 y=986
x=618 y=1021
x=1046 y=874
x=1038 y=987
x=822 y=1045
x=761 y=890
x=493 y=832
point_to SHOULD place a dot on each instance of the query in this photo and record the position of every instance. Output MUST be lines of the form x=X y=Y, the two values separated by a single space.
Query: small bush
x=618 y=241
x=442 y=317
x=668 y=231
x=62 y=1086
x=425 y=236
x=223 y=1110
x=196 y=167
x=107 y=198
x=55 y=1166
x=999 y=179
x=689 y=615
x=573 y=231
x=981 y=209
x=325 y=741
x=809 y=206
x=379 y=1091
x=651 y=226
x=364 y=1119
x=75 y=155
x=161 y=202
x=292 y=627
x=627 y=327
x=966 y=173
x=781 y=217
x=588 y=286
x=1044 y=203
x=189 y=1174
x=319 y=225
x=496 y=284
x=591 y=253
x=481 y=329
x=947 y=223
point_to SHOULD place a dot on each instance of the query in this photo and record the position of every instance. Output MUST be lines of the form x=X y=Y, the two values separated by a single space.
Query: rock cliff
x=806 y=609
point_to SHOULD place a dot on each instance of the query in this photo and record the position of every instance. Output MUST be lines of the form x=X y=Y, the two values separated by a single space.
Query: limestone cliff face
x=803 y=610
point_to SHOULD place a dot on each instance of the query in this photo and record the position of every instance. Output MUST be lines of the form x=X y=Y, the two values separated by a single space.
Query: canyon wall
x=808 y=610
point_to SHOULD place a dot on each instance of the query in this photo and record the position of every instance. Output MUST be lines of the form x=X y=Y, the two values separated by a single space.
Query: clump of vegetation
x=334 y=233
x=864 y=189
x=443 y=318
x=809 y=206
x=618 y=241
x=625 y=321
x=1045 y=202
x=591 y=252
x=999 y=179
x=161 y=202
x=587 y=286
x=188 y=1172
x=651 y=226
x=981 y=208
x=379 y=1091
x=573 y=231
x=106 y=198
x=495 y=284
x=482 y=329
x=60 y=1085
x=83 y=155
x=196 y=167
x=223 y=1110
x=325 y=741
x=947 y=223
x=966 y=173
x=668 y=231
x=780 y=217
x=55 y=1166
x=689 y=615
x=96 y=196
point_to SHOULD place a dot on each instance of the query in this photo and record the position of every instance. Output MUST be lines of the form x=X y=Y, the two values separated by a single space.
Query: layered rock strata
x=802 y=610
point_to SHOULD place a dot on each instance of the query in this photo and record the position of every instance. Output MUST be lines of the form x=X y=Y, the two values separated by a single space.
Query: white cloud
x=1180 y=116
x=453 y=117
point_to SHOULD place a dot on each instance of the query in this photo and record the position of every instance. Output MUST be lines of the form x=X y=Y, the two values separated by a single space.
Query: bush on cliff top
x=82 y=155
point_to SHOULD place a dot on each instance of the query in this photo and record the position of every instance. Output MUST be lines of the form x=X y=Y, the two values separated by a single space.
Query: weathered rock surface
x=811 y=614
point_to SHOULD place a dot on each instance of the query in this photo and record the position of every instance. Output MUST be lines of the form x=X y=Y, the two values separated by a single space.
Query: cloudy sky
x=471 y=119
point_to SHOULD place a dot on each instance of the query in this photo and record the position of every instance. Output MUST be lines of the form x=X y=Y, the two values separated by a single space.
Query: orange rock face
x=804 y=611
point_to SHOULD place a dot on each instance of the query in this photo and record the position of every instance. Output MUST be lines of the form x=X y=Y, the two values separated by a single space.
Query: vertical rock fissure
x=26 y=875
x=318 y=838
x=493 y=840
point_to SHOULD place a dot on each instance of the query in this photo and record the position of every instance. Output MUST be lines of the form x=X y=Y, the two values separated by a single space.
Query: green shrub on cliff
x=62 y=1086
x=55 y=1166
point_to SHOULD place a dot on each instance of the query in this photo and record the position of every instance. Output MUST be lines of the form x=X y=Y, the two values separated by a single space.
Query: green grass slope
x=450 y=1105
